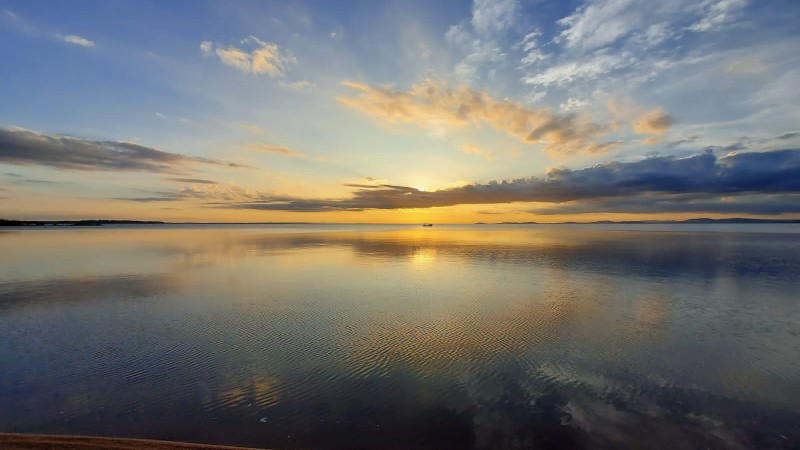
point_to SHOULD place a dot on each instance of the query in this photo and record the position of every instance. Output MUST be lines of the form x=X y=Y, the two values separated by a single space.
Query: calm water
x=405 y=337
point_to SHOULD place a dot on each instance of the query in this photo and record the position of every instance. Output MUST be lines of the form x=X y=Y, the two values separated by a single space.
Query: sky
x=399 y=111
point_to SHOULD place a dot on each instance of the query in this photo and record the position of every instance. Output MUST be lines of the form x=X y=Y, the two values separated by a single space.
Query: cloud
x=533 y=54
x=276 y=149
x=655 y=121
x=77 y=40
x=212 y=193
x=787 y=136
x=699 y=176
x=299 y=85
x=717 y=13
x=477 y=150
x=589 y=67
x=256 y=57
x=480 y=37
x=437 y=104
x=23 y=147
x=599 y=23
x=192 y=180
x=617 y=47
x=652 y=204
x=602 y=23
x=251 y=127
x=171 y=118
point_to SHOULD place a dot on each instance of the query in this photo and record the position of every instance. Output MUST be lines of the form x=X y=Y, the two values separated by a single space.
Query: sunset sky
x=399 y=111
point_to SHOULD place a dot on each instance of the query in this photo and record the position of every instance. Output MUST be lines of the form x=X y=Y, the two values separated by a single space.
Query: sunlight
x=423 y=257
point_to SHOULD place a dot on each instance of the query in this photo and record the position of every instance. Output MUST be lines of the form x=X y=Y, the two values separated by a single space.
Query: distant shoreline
x=11 y=441
x=101 y=222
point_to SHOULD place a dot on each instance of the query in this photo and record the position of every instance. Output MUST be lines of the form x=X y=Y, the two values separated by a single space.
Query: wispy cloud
x=600 y=23
x=192 y=180
x=275 y=149
x=298 y=85
x=477 y=150
x=24 y=147
x=480 y=37
x=255 y=56
x=251 y=128
x=76 y=40
x=436 y=103
x=10 y=14
x=615 y=47
x=182 y=120
x=572 y=71
x=717 y=13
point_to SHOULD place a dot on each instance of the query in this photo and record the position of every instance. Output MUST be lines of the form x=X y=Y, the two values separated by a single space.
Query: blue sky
x=396 y=111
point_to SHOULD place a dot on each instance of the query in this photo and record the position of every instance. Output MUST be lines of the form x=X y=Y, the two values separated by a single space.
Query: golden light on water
x=423 y=257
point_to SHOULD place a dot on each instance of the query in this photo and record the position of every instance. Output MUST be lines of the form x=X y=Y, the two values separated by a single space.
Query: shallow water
x=398 y=337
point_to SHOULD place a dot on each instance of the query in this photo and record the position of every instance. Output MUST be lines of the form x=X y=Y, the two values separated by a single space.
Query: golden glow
x=423 y=257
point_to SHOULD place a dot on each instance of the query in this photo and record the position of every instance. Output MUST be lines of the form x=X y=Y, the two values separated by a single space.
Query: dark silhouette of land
x=10 y=441
x=72 y=223
x=633 y=222
x=101 y=222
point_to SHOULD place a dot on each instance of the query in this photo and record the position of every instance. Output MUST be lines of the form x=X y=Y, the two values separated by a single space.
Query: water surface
x=405 y=337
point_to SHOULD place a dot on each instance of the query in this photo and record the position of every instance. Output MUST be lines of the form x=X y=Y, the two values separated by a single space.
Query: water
x=405 y=337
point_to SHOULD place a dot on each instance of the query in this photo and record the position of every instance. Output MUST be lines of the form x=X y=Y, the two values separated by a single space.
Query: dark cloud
x=155 y=197
x=35 y=181
x=776 y=172
x=755 y=205
x=149 y=199
x=192 y=180
x=687 y=140
x=23 y=147
x=787 y=136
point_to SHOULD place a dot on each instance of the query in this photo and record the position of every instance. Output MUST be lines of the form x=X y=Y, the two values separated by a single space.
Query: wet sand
x=48 y=442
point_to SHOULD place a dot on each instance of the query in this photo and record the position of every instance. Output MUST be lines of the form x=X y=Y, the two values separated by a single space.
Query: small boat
x=427 y=224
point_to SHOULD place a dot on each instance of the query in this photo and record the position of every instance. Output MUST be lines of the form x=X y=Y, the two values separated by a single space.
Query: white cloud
x=255 y=56
x=492 y=16
x=479 y=38
x=599 y=23
x=77 y=40
x=574 y=70
x=718 y=12
x=529 y=44
x=614 y=47
x=572 y=104
x=299 y=85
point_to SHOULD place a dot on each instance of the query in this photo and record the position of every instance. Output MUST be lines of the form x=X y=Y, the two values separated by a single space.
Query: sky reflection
x=444 y=338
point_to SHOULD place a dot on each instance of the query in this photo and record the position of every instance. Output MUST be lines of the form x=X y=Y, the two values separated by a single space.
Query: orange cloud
x=655 y=121
x=436 y=104
x=276 y=149
x=263 y=58
x=477 y=150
